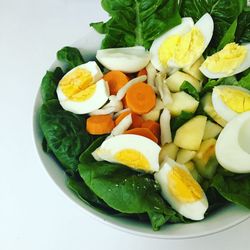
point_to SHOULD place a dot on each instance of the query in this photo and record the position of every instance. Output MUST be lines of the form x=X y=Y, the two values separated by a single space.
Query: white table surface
x=34 y=213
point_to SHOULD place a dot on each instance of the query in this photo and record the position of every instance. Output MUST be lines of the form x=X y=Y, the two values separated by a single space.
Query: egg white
x=242 y=67
x=128 y=59
x=220 y=107
x=97 y=100
x=149 y=149
x=233 y=145
x=192 y=210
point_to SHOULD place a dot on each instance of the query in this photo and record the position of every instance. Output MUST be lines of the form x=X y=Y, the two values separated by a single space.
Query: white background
x=34 y=213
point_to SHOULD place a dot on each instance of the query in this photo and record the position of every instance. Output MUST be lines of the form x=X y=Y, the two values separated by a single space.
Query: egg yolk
x=235 y=99
x=226 y=60
x=78 y=85
x=182 y=186
x=183 y=50
x=133 y=158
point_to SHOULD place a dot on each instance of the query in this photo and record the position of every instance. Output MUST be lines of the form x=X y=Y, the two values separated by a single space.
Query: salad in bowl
x=155 y=128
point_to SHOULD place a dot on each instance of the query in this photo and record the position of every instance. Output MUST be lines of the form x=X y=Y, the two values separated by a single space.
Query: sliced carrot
x=137 y=121
x=142 y=72
x=100 y=124
x=116 y=79
x=121 y=116
x=143 y=132
x=140 y=98
x=153 y=126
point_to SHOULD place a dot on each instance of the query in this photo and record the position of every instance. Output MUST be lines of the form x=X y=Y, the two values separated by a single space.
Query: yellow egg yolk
x=226 y=60
x=78 y=85
x=183 y=50
x=182 y=186
x=235 y=99
x=133 y=158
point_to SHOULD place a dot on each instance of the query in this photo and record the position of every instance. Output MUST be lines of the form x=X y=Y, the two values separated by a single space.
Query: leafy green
x=244 y=82
x=231 y=80
x=243 y=29
x=190 y=89
x=123 y=189
x=233 y=188
x=82 y=191
x=223 y=12
x=64 y=132
x=229 y=36
x=180 y=120
x=70 y=56
x=136 y=22
x=49 y=84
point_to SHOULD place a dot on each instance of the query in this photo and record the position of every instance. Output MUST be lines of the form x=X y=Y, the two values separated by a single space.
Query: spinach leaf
x=223 y=12
x=123 y=189
x=70 y=56
x=231 y=80
x=49 y=84
x=244 y=82
x=243 y=29
x=64 y=132
x=190 y=89
x=82 y=191
x=229 y=36
x=136 y=22
x=233 y=188
x=180 y=120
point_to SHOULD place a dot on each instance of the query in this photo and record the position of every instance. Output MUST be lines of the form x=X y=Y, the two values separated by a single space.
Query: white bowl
x=219 y=221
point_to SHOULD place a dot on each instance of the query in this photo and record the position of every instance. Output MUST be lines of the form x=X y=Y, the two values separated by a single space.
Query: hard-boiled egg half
x=181 y=190
x=231 y=60
x=233 y=145
x=128 y=59
x=82 y=90
x=229 y=101
x=134 y=151
x=181 y=46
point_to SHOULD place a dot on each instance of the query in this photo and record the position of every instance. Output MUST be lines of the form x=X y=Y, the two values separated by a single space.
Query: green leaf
x=229 y=36
x=243 y=28
x=231 y=80
x=180 y=120
x=49 y=84
x=136 y=22
x=70 y=56
x=235 y=188
x=64 y=132
x=244 y=82
x=223 y=12
x=123 y=189
x=190 y=89
x=82 y=191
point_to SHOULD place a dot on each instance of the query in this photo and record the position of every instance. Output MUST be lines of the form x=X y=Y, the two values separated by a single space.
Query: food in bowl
x=156 y=128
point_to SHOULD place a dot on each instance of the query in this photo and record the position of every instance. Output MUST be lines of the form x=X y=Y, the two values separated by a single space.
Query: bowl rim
x=93 y=212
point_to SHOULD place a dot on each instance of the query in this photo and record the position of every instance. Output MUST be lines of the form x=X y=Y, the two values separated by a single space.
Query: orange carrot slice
x=153 y=126
x=100 y=124
x=137 y=121
x=140 y=98
x=142 y=132
x=116 y=79
x=142 y=72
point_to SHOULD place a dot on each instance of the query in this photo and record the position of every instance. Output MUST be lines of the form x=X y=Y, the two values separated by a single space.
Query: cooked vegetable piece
x=166 y=134
x=185 y=156
x=137 y=121
x=140 y=98
x=100 y=124
x=189 y=135
x=211 y=130
x=121 y=116
x=153 y=126
x=143 y=132
x=168 y=150
x=116 y=80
